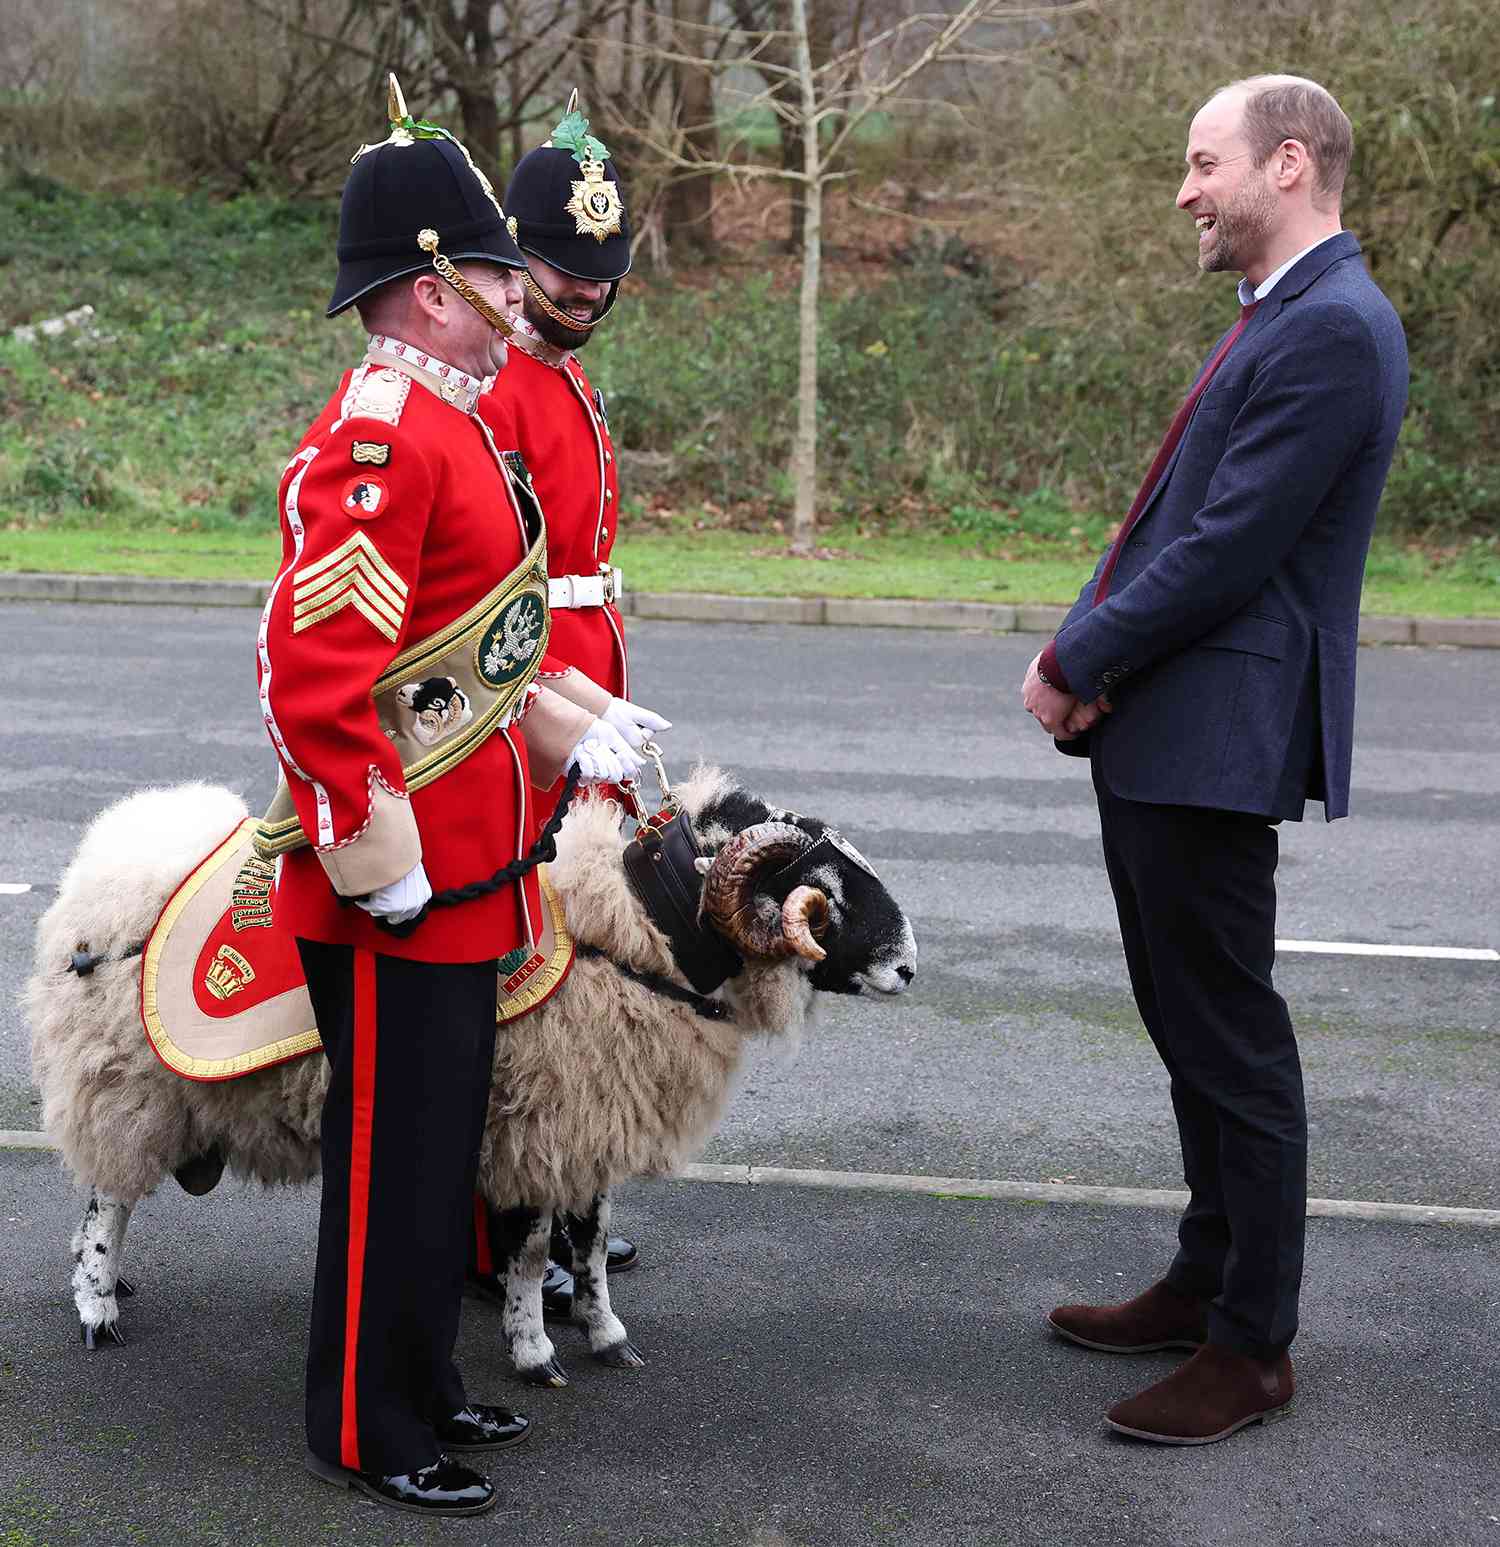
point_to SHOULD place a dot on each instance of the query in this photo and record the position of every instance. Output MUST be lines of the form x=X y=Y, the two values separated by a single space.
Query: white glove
x=603 y=756
x=635 y=724
x=400 y=900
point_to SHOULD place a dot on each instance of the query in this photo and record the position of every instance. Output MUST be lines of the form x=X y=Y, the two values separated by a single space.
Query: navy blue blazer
x=1227 y=641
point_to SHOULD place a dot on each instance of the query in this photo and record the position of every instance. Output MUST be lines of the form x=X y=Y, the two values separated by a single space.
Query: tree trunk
x=690 y=199
x=805 y=447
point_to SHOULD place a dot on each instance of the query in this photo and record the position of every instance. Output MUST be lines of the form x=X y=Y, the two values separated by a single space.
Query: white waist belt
x=586 y=590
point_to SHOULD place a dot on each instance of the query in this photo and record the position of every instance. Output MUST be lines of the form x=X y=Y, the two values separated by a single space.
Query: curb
x=707 y=607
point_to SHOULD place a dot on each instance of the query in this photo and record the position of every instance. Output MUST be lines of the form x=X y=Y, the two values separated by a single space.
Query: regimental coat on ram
x=607 y=1079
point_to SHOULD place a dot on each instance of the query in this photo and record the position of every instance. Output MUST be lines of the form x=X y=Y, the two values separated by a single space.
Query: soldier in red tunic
x=406 y=683
x=566 y=213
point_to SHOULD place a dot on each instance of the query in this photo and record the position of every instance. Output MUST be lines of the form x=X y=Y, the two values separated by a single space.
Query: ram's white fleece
x=606 y=1081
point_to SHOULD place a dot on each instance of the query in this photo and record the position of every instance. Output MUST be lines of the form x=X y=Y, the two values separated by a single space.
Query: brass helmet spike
x=396 y=105
x=572 y=101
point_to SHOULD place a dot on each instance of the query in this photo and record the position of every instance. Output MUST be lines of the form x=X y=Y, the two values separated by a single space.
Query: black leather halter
x=660 y=865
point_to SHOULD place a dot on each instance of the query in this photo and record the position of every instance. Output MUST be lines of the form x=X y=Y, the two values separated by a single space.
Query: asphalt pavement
x=831 y=1366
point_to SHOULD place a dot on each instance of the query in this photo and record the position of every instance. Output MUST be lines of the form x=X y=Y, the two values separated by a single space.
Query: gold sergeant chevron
x=353 y=575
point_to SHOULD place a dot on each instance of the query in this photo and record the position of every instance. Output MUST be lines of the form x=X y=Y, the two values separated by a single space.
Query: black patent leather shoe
x=620 y=1254
x=557 y=1293
x=482 y=1427
x=447 y=1487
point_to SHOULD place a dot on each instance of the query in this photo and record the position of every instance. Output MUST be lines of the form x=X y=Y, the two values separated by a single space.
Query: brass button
x=604 y=534
x=608 y=457
x=609 y=494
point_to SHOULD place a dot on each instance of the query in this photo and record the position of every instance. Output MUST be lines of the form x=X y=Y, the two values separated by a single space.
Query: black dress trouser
x=1195 y=889
x=410 y=1047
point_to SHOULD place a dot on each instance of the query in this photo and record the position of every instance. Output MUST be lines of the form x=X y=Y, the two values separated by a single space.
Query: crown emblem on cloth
x=227 y=973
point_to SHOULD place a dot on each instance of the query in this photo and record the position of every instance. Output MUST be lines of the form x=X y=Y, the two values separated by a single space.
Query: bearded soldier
x=402 y=656
x=565 y=211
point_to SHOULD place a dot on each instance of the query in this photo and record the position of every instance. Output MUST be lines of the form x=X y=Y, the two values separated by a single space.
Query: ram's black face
x=869 y=940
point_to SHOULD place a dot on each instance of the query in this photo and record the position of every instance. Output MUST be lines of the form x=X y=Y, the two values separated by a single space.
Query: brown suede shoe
x=1162 y=1317
x=1216 y=1392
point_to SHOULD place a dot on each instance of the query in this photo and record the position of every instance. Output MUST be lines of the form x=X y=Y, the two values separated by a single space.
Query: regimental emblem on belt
x=512 y=641
x=595 y=205
x=440 y=699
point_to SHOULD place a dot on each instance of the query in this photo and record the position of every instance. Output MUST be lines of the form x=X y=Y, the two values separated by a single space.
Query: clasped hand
x=609 y=750
x=1062 y=715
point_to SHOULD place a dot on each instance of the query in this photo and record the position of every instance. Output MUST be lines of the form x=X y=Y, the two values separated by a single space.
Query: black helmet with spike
x=407 y=197
x=564 y=206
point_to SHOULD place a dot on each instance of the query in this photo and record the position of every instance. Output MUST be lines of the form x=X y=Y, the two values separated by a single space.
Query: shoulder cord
x=542 y=852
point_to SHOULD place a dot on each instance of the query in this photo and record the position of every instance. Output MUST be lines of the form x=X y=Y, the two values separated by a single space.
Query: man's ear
x=1292 y=163
x=429 y=295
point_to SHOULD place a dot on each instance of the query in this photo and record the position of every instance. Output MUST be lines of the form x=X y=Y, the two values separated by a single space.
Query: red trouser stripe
x=484 y=1260
x=363 y=1129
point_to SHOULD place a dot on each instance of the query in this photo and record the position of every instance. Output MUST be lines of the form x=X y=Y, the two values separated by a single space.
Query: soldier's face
x=473 y=345
x=580 y=298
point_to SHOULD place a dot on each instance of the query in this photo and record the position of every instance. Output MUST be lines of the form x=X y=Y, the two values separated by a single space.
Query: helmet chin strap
x=556 y=313
x=427 y=240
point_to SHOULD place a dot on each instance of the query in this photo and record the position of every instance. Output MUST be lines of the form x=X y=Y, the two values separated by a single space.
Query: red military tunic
x=544 y=404
x=397 y=518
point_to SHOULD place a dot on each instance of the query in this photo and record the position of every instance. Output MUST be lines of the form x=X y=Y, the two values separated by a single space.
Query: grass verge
x=853 y=562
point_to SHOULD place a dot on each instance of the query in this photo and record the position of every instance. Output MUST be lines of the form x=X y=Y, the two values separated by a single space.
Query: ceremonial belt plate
x=441 y=699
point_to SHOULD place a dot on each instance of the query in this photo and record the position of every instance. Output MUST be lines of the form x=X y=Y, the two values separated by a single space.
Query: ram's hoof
x=92 y=1335
x=549 y=1374
x=621 y=1356
x=124 y=1289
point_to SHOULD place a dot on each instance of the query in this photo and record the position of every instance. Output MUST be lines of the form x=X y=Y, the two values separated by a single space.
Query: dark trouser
x=1196 y=894
x=410 y=1047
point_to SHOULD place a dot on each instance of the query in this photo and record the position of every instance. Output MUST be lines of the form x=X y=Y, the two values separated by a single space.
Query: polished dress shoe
x=1217 y=1392
x=1162 y=1317
x=447 y=1487
x=557 y=1293
x=482 y=1427
x=557 y=1290
x=619 y=1254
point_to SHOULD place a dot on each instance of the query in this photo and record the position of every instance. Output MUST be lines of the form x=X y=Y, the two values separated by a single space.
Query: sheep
x=615 y=1076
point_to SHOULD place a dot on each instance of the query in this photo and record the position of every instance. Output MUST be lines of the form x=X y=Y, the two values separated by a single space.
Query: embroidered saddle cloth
x=222 y=991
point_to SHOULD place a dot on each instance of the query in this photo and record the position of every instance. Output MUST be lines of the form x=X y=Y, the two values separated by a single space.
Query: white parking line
x=989 y=1188
x=1452 y=953
x=14 y=888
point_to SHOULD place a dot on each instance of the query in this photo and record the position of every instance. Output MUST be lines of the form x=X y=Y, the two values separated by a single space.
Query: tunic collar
x=530 y=342
x=455 y=387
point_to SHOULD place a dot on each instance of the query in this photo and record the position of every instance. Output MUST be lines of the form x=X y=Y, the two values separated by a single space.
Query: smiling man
x=1207 y=671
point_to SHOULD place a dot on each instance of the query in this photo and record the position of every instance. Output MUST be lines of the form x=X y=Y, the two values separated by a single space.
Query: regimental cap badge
x=595 y=206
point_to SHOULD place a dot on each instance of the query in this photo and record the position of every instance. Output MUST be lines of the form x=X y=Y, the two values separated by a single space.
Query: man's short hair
x=1288 y=107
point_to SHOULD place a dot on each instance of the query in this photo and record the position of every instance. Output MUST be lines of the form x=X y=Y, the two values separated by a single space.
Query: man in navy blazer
x=1207 y=672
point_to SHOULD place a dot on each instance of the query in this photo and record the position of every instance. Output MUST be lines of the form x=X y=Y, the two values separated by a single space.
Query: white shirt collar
x=1269 y=283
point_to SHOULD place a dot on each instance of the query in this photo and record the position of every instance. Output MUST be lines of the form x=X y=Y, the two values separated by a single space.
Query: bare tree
x=827 y=103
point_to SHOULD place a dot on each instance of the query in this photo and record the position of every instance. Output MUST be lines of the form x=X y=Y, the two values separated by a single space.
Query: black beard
x=550 y=330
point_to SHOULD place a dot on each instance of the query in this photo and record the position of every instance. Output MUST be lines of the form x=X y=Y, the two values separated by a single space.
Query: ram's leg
x=608 y=1340
x=520 y=1245
x=98 y=1248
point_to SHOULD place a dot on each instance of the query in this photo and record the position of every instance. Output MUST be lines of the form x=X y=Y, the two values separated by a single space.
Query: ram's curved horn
x=803 y=915
x=729 y=886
